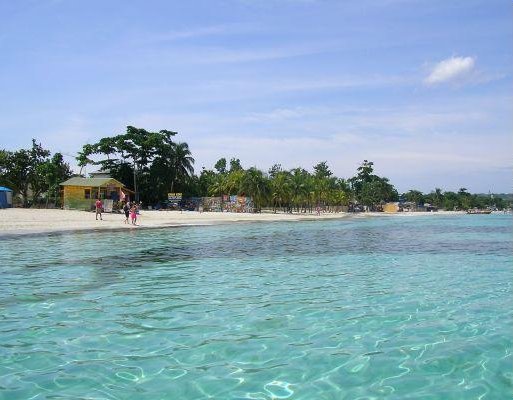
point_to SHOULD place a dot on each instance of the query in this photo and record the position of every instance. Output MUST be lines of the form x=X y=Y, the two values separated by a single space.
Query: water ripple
x=359 y=309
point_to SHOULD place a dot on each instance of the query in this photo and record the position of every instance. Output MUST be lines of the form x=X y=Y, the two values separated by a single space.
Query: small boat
x=477 y=211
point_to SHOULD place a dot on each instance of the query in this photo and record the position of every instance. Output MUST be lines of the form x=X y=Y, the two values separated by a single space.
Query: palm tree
x=299 y=186
x=218 y=187
x=415 y=196
x=256 y=185
x=233 y=182
x=322 y=188
x=438 y=197
x=280 y=187
x=464 y=198
x=181 y=163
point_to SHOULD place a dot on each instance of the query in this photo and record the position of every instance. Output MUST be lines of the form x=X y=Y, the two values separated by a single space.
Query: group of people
x=130 y=210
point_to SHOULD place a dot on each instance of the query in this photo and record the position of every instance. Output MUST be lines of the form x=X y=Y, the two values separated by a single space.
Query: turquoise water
x=381 y=308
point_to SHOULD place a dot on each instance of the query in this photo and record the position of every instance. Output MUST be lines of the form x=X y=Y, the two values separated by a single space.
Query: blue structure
x=5 y=197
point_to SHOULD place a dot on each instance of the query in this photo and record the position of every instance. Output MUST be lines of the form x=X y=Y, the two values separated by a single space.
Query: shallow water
x=381 y=308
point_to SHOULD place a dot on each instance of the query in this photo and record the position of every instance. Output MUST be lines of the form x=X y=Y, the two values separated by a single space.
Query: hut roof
x=92 y=182
x=100 y=174
x=5 y=189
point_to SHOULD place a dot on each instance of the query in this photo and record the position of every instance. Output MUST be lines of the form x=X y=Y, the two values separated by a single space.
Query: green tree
x=377 y=191
x=275 y=170
x=32 y=171
x=299 y=187
x=464 y=199
x=220 y=166
x=365 y=181
x=207 y=178
x=235 y=165
x=54 y=171
x=414 y=196
x=451 y=201
x=364 y=174
x=148 y=162
x=181 y=164
x=218 y=185
x=280 y=186
x=437 y=197
x=23 y=171
x=364 y=171
x=321 y=170
x=233 y=181
x=83 y=157
x=255 y=185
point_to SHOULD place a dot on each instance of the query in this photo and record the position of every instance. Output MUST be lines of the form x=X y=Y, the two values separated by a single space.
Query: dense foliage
x=301 y=191
x=461 y=200
x=33 y=174
x=152 y=164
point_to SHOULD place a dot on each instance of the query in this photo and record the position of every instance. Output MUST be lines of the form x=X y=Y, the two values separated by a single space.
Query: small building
x=430 y=207
x=5 y=197
x=81 y=193
x=410 y=206
x=391 y=207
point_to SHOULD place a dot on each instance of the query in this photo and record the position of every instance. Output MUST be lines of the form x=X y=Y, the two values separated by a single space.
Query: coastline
x=20 y=221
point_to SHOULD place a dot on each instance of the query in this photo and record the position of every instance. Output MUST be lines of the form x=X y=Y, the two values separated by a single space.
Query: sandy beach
x=19 y=221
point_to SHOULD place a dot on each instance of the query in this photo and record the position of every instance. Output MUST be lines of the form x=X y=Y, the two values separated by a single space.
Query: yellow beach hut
x=391 y=207
x=81 y=193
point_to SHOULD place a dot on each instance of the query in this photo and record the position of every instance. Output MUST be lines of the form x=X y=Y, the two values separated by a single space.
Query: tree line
x=33 y=174
x=460 y=200
x=153 y=164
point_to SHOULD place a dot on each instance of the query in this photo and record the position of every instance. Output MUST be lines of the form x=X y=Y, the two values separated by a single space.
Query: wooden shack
x=391 y=207
x=81 y=193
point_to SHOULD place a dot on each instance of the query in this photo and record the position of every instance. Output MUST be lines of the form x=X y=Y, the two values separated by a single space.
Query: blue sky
x=422 y=88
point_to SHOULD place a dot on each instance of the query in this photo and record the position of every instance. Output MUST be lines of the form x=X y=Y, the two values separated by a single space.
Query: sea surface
x=360 y=308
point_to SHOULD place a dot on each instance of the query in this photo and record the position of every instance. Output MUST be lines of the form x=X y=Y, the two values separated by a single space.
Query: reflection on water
x=361 y=308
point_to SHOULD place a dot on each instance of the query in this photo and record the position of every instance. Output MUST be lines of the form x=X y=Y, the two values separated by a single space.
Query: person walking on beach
x=99 y=209
x=126 y=210
x=133 y=214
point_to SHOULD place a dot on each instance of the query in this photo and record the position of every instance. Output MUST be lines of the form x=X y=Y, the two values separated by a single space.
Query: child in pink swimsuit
x=133 y=214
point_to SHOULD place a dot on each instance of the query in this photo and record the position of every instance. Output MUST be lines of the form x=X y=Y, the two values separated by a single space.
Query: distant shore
x=22 y=221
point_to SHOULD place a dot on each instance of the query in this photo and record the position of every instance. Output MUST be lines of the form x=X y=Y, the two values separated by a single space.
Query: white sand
x=16 y=221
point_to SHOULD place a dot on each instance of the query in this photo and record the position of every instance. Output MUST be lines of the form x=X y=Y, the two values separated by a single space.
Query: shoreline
x=33 y=222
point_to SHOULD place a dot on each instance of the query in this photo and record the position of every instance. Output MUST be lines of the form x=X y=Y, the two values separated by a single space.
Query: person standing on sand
x=99 y=209
x=133 y=214
x=126 y=210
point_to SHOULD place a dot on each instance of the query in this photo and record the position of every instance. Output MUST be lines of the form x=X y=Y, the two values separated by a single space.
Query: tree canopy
x=150 y=163
x=30 y=173
x=153 y=164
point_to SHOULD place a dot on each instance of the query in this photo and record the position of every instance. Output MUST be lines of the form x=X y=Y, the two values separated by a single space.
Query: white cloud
x=450 y=69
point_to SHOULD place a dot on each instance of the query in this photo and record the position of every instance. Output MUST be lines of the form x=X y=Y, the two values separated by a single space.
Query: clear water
x=382 y=308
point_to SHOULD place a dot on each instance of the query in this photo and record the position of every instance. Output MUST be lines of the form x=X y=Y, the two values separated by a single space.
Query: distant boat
x=477 y=211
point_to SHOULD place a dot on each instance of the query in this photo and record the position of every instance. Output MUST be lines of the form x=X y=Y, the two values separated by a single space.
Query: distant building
x=430 y=207
x=392 y=207
x=5 y=197
x=411 y=206
x=81 y=193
